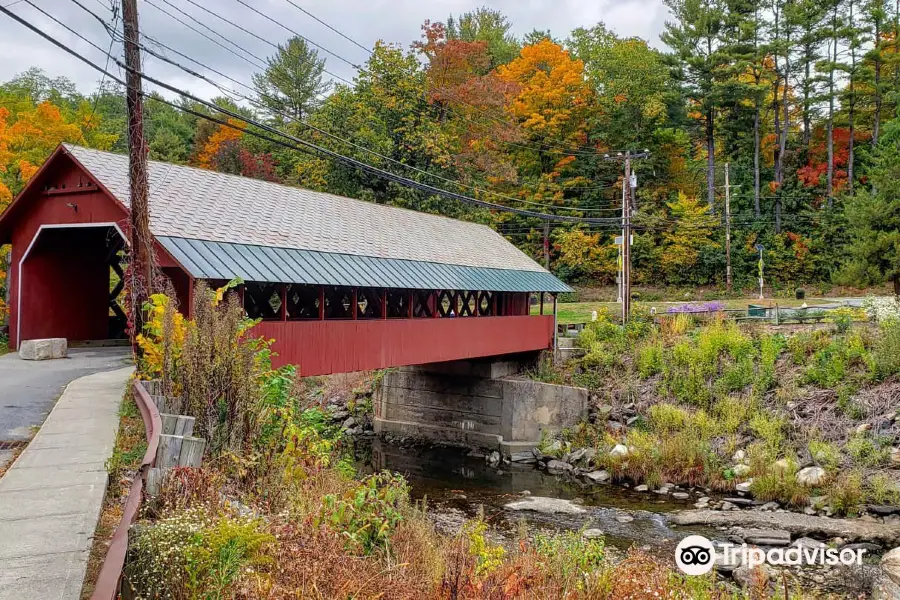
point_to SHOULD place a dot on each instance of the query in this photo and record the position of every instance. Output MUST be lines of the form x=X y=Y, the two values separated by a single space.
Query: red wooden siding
x=324 y=347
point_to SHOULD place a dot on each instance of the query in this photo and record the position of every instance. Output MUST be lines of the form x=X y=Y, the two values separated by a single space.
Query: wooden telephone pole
x=629 y=203
x=141 y=241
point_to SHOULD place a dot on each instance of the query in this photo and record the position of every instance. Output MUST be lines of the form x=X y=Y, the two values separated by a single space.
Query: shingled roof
x=220 y=226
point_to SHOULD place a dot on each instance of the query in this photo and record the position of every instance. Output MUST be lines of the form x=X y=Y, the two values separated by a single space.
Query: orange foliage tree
x=813 y=173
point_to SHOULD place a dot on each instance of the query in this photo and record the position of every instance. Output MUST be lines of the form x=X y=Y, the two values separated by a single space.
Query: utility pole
x=728 y=282
x=629 y=202
x=141 y=242
x=626 y=242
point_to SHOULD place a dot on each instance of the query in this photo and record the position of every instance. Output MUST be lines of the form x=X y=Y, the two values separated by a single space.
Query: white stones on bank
x=45 y=349
x=811 y=476
x=547 y=506
x=619 y=451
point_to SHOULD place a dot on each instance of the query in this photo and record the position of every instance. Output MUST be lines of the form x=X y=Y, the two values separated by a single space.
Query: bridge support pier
x=479 y=403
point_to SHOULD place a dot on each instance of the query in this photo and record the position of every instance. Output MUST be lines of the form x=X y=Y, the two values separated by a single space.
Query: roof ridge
x=163 y=163
x=203 y=204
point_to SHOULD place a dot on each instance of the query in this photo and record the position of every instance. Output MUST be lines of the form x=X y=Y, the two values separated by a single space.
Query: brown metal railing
x=107 y=587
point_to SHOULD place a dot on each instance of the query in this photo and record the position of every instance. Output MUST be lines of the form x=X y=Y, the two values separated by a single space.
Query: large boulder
x=547 y=506
x=45 y=349
x=887 y=585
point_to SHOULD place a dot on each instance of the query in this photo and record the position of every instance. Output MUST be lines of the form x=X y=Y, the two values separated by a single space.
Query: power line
x=590 y=152
x=326 y=133
x=298 y=144
x=340 y=33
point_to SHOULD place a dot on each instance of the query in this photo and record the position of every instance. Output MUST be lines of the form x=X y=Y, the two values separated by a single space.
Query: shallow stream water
x=458 y=483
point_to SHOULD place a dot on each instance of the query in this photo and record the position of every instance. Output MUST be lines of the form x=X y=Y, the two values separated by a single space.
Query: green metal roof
x=220 y=260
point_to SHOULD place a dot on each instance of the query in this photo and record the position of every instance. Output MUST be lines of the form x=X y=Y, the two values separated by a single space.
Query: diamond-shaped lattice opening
x=262 y=301
x=368 y=303
x=275 y=302
x=467 y=304
x=303 y=302
x=484 y=304
x=338 y=303
x=446 y=303
x=398 y=304
x=423 y=308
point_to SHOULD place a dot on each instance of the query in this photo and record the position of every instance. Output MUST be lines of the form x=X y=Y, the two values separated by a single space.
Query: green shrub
x=489 y=556
x=649 y=359
x=570 y=554
x=367 y=514
x=780 y=485
x=846 y=494
x=731 y=413
x=666 y=417
x=769 y=428
x=886 y=354
x=881 y=488
x=825 y=454
x=805 y=344
x=770 y=347
x=867 y=451
x=546 y=372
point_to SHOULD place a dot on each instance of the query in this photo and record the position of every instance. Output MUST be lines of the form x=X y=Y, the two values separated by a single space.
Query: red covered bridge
x=341 y=285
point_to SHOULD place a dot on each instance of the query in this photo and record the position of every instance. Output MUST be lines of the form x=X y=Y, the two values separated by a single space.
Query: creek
x=458 y=483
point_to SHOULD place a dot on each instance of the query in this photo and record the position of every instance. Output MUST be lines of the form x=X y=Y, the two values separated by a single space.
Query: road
x=29 y=389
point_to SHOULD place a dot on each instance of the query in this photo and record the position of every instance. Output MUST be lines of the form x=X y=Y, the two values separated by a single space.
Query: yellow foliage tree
x=552 y=92
x=583 y=255
x=26 y=139
x=691 y=233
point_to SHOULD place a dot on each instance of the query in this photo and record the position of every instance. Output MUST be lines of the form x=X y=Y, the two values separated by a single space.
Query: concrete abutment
x=479 y=403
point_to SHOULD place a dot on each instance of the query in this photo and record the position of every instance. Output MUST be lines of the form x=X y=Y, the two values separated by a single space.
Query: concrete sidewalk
x=50 y=499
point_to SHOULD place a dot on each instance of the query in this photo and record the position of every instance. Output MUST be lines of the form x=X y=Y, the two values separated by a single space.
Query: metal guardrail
x=107 y=587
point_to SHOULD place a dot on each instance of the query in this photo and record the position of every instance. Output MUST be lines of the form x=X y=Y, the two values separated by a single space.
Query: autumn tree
x=550 y=100
x=690 y=234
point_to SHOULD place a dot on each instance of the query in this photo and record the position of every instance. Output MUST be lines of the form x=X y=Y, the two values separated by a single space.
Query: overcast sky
x=363 y=20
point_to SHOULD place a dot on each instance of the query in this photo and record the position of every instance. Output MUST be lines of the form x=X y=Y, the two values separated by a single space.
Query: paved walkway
x=51 y=497
x=28 y=389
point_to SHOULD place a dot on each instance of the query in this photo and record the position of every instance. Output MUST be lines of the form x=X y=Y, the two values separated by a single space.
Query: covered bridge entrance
x=341 y=285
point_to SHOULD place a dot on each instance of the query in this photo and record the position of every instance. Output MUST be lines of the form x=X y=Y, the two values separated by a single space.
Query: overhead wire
x=294 y=143
x=350 y=143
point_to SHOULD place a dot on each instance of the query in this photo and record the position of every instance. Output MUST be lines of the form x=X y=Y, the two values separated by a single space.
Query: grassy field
x=580 y=312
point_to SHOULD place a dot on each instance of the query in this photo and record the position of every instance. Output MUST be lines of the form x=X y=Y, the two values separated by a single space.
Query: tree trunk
x=807 y=118
x=829 y=176
x=710 y=160
x=756 y=144
x=876 y=119
x=851 y=108
x=776 y=105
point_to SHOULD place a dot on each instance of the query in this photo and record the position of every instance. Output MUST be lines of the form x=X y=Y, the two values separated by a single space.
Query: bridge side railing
x=109 y=578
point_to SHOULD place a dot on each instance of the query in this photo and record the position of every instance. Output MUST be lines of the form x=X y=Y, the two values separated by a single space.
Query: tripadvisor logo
x=696 y=555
